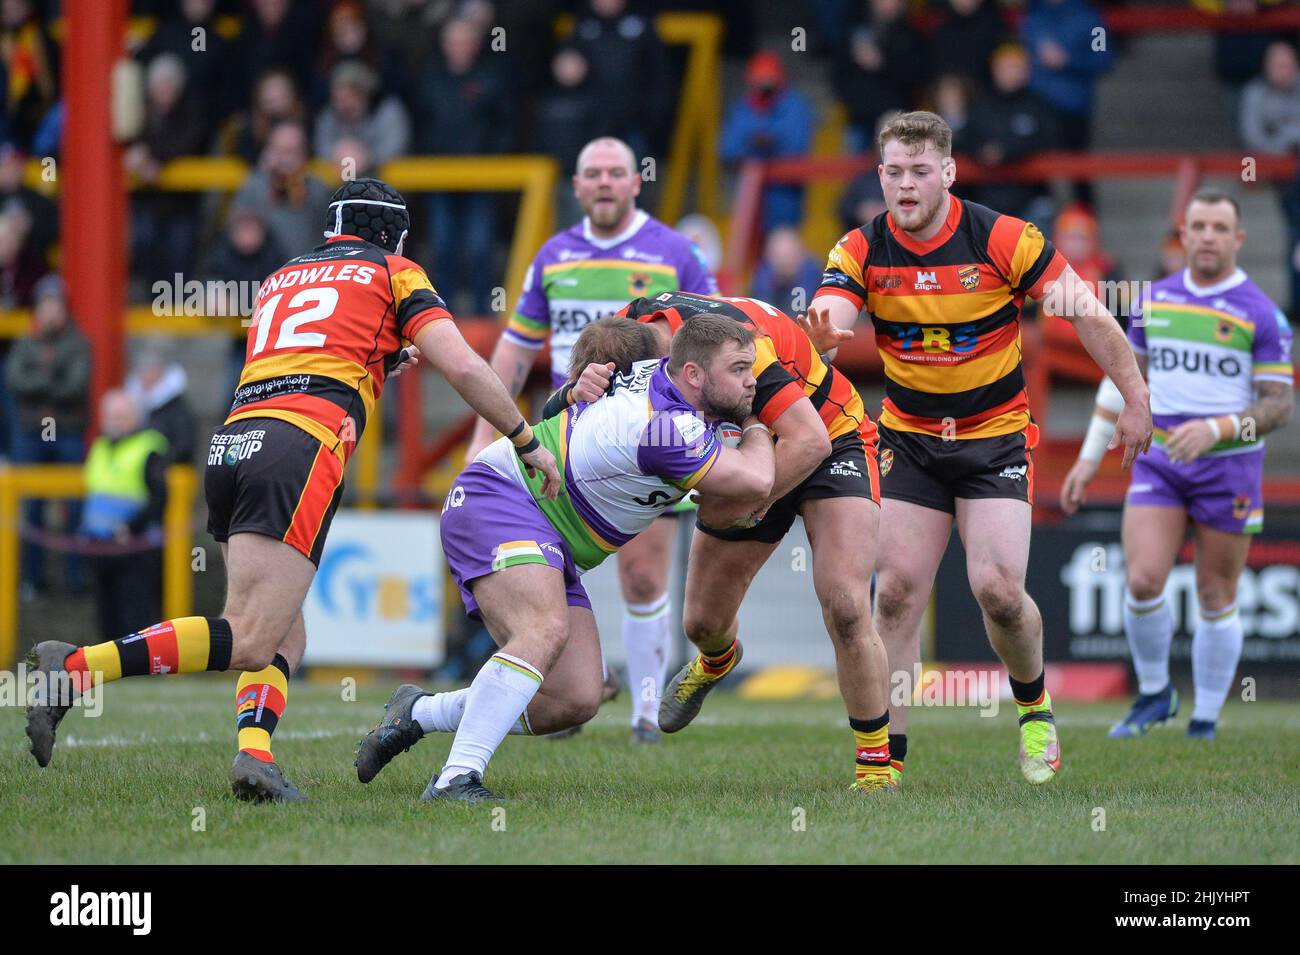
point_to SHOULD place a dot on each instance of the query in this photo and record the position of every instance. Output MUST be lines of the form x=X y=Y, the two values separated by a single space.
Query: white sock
x=1216 y=650
x=646 y=639
x=442 y=712
x=495 y=701
x=1149 y=626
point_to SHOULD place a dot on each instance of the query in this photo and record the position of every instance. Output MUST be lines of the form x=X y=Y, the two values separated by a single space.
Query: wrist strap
x=528 y=448
x=1213 y=425
x=523 y=438
x=756 y=425
x=568 y=392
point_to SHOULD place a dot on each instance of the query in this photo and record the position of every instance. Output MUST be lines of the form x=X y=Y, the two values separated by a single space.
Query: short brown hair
x=1212 y=197
x=616 y=338
x=917 y=130
x=700 y=337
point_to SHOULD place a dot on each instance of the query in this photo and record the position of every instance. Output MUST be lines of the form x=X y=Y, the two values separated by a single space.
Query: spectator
x=48 y=375
x=468 y=109
x=28 y=60
x=245 y=255
x=1270 y=123
x=165 y=223
x=878 y=67
x=1238 y=53
x=630 y=66
x=1077 y=237
x=208 y=63
x=965 y=39
x=126 y=488
x=769 y=120
x=39 y=212
x=1061 y=38
x=1173 y=257
x=275 y=100
x=291 y=200
x=356 y=126
x=570 y=115
x=951 y=97
x=20 y=267
x=1009 y=124
x=157 y=389
x=349 y=39
x=862 y=201
x=788 y=275
x=1270 y=104
x=280 y=33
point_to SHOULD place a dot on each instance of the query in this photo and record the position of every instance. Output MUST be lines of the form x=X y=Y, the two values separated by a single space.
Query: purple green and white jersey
x=1206 y=348
x=626 y=458
x=578 y=277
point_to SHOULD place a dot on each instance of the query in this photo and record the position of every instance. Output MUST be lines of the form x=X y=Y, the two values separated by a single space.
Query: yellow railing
x=47 y=481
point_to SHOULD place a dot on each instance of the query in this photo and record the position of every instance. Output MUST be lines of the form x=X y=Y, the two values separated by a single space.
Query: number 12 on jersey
x=320 y=302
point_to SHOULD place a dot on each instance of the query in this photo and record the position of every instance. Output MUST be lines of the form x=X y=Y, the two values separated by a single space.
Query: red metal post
x=93 y=206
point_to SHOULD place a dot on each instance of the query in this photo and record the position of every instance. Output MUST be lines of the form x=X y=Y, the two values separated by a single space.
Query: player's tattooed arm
x=511 y=362
x=1273 y=407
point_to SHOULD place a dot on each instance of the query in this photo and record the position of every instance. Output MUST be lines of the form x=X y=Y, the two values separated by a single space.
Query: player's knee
x=846 y=613
x=1002 y=598
x=1144 y=586
x=894 y=599
x=641 y=582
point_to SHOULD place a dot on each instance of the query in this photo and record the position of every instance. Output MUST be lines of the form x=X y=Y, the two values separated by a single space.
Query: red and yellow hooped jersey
x=947 y=316
x=786 y=365
x=325 y=326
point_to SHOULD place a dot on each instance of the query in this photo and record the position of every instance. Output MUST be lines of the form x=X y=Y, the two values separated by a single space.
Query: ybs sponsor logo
x=1166 y=358
x=133 y=910
x=887 y=281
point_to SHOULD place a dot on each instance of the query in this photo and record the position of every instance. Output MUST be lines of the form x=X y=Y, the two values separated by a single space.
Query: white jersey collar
x=591 y=238
x=1231 y=282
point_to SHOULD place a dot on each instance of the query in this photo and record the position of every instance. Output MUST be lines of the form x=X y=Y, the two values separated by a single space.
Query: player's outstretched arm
x=446 y=349
x=744 y=472
x=511 y=362
x=829 y=323
x=1071 y=298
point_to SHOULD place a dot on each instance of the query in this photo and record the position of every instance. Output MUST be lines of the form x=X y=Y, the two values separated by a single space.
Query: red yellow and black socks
x=259 y=704
x=183 y=645
x=871 y=747
x=720 y=664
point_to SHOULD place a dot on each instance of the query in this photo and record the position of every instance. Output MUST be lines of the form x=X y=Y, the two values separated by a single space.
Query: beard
x=606 y=215
x=921 y=216
x=716 y=405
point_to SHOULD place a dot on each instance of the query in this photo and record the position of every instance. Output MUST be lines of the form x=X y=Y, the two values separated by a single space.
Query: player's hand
x=1073 y=491
x=409 y=357
x=542 y=460
x=593 y=382
x=818 y=326
x=1189 y=441
x=1133 y=431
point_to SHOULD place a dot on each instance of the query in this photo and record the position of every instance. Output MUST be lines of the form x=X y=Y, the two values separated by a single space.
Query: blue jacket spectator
x=770 y=120
x=788 y=275
x=1059 y=37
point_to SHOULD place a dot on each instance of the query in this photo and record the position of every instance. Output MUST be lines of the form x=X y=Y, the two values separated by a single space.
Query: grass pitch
x=748 y=782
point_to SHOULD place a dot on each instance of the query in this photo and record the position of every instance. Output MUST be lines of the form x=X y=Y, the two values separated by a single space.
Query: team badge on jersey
x=886 y=460
x=638 y=283
x=1223 y=332
x=970 y=277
